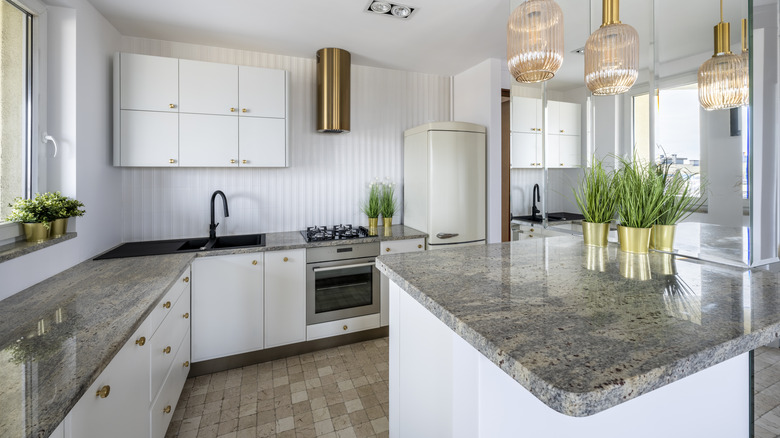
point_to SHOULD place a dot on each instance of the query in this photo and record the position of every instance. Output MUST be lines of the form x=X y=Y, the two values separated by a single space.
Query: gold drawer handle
x=254 y=262
x=345 y=327
x=186 y=279
x=172 y=105
x=103 y=392
x=186 y=364
x=244 y=161
x=244 y=110
x=167 y=350
x=186 y=315
x=140 y=341
x=232 y=110
x=419 y=246
x=171 y=161
x=167 y=409
x=286 y=259
x=167 y=305
x=232 y=161
x=387 y=249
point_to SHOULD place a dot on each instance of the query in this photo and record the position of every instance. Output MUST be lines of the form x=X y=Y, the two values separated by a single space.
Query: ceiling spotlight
x=580 y=51
x=401 y=11
x=380 y=7
x=389 y=9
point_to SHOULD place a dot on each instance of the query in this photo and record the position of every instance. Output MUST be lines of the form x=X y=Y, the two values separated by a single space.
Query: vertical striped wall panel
x=328 y=174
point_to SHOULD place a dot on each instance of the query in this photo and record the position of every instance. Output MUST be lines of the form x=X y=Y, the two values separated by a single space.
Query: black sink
x=159 y=247
x=241 y=241
x=559 y=216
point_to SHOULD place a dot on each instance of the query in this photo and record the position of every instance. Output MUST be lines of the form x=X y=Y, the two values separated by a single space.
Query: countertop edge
x=22 y=248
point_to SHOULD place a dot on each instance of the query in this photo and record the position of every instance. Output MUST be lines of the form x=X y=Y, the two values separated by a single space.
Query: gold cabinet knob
x=103 y=392
x=243 y=110
x=419 y=246
x=254 y=262
x=387 y=249
x=172 y=105
x=561 y=164
x=167 y=305
x=186 y=279
x=532 y=230
x=345 y=327
x=167 y=409
x=172 y=161
x=561 y=130
x=530 y=235
x=186 y=364
x=285 y=259
x=167 y=350
x=140 y=341
x=232 y=161
x=232 y=110
x=186 y=315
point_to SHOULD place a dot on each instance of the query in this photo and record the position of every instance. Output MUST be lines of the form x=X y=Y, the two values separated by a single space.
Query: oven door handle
x=333 y=268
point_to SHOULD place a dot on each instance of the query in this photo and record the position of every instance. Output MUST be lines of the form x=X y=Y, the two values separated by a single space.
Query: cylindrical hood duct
x=333 y=79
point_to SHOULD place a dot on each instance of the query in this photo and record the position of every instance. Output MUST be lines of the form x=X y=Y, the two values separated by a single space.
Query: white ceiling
x=443 y=37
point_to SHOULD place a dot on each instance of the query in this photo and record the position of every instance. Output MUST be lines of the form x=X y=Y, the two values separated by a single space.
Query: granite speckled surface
x=87 y=313
x=585 y=329
x=18 y=249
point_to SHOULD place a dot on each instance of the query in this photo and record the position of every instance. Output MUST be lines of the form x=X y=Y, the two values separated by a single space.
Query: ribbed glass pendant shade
x=534 y=38
x=611 y=55
x=722 y=78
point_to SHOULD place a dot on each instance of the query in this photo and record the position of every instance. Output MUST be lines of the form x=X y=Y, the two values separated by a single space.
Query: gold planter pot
x=388 y=223
x=58 y=227
x=35 y=232
x=636 y=240
x=373 y=226
x=662 y=237
x=595 y=234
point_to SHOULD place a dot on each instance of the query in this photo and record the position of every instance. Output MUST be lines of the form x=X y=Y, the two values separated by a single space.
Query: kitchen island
x=552 y=338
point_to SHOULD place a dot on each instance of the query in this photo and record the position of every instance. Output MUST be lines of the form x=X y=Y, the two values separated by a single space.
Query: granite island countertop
x=585 y=329
x=57 y=336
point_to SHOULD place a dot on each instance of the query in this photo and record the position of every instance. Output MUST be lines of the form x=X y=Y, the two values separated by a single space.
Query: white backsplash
x=328 y=175
x=560 y=196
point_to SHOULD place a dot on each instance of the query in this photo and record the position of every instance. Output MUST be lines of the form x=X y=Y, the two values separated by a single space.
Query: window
x=16 y=163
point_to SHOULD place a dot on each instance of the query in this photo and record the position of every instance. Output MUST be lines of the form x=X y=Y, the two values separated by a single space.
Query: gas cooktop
x=336 y=232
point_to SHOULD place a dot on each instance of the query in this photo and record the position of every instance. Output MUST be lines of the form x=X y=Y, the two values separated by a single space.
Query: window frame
x=35 y=154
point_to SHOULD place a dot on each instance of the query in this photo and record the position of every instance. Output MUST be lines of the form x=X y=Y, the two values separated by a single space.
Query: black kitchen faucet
x=212 y=225
x=534 y=197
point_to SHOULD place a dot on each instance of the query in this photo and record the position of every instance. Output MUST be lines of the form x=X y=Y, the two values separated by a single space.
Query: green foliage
x=679 y=199
x=44 y=208
x=373 y=205
x=595 y=194
x=387 y=202
x=640 y=193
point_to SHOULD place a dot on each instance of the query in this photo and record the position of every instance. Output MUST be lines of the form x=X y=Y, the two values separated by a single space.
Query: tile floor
x=339 y=393
x=342 y=392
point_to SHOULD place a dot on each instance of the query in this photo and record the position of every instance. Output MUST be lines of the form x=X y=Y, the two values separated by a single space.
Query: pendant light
x=535 y=40
x=721 y=78
x=745 y=64
x=611 y=54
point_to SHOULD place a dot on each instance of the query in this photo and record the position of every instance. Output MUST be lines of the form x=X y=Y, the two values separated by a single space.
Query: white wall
x=477 y=99
x=80 y=44
x=328 y=175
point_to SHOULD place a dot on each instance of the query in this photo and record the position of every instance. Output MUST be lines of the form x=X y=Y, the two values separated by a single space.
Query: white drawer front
x=165 y=305
x=161 y=412
x=399 y=246
x=166 y=341
x=342 y=326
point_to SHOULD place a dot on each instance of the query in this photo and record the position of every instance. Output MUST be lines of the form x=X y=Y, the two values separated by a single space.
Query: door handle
x=446 y=235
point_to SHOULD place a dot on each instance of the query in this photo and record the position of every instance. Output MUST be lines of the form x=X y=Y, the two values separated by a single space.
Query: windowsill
x=23 y=247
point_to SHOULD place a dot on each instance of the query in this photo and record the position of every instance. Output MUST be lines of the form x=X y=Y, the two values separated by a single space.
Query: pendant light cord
x=721 y=11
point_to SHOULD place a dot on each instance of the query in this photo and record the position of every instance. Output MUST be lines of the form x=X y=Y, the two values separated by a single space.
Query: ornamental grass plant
x=387 y=202
x=680 y=200
x=372 y=206
x=595 y=195
x=640 y=193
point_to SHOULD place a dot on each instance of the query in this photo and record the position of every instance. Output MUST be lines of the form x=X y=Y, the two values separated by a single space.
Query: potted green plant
x=63 y=208
x=595 y=197
x=387 y=205
x=35 y=216
x=680 y=201
x=372 y=206
x=640 y=197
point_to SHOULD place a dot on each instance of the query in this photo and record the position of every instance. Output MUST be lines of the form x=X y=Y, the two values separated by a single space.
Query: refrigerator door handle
x=446 y=235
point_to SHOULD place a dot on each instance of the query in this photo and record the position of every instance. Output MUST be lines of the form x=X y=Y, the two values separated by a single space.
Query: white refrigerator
x=445 y=183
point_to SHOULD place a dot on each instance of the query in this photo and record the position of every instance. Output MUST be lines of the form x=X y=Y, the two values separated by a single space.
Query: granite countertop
x=57 y=336
x=585 y=328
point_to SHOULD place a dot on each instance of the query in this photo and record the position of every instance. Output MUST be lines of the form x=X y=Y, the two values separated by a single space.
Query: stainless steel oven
x=341 y=282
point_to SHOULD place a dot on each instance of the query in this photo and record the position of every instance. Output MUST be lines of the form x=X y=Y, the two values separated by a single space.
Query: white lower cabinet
x=394 y=247
x=119 y=403
x=342 y=327
x=285 y=297
x=227 y=305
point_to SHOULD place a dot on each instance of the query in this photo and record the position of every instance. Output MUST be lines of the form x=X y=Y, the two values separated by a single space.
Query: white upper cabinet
x=208 y=141
x=526 y=115
x=569 y=120
x=563 y=139
x=148 y=83
x=262 y=92
x=553 y=116
x=148 y=138
x=526 y=150
x=208 y=88
x=261 y=142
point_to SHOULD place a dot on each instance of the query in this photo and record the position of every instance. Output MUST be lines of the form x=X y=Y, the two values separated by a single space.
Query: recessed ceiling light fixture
x=390 y=9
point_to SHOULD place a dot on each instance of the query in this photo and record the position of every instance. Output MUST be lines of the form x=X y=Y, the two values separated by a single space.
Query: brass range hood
x=333 y=82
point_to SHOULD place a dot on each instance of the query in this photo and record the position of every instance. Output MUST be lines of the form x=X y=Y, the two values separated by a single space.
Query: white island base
x=441 y=386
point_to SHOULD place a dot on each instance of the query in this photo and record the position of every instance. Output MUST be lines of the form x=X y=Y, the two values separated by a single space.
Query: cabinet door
x=227 y=305
x=569 y=119
x=149 y=139
x=394 y=247
x=553 y=116
x=149 y=83
x=124 y=410
x=208 y=88
x=553 y=152
x=262 y=142
x=208 y=141
x=570 y=150
x=262 y=92
x=526 y=114
x=524 y=150
x=285 y=297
